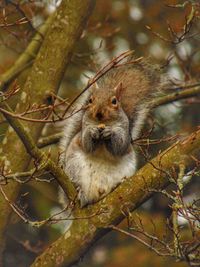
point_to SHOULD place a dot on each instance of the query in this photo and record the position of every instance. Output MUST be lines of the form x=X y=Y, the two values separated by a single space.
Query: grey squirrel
x=96 y=149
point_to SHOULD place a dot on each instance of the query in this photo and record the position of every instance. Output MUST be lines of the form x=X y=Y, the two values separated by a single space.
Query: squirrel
x=97 y=151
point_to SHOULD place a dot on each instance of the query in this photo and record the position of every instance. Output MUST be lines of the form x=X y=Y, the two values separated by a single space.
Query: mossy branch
x=26 y=58
x=40 y=156
x=45 y=77
x=156 y=174
x=188 y=91
x=49 y=140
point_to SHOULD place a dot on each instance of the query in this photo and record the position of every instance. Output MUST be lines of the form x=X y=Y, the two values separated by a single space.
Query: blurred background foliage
x=114 y=27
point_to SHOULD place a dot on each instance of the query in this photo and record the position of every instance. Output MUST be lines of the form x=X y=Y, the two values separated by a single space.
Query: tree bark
x=45 y=77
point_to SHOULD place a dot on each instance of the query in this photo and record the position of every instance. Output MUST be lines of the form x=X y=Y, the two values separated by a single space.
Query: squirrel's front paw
x=90 y=139
x=106 y=133
x=95 y=133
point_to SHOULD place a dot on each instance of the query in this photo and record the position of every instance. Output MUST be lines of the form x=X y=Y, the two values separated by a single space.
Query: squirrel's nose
x=99 y=116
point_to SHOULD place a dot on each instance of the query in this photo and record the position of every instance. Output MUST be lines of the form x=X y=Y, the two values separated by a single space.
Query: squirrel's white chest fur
x=98 y=173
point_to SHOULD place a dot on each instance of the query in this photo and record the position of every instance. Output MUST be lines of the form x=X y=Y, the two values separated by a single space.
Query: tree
x=43 y=65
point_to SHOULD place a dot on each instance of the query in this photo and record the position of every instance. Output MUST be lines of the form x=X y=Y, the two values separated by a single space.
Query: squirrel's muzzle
x=99 y=116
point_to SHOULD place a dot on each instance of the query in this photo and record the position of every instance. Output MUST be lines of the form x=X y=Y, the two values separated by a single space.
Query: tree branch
x=41 y=157
x=188 y=91
x=25 y=59
x=71 y=246
x=45 y=77
x=49 y=140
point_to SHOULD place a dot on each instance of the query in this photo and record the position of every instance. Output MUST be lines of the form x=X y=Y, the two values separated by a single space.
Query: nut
x=101 y=126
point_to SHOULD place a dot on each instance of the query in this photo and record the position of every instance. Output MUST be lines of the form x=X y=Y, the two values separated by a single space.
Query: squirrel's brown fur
x=134 y=83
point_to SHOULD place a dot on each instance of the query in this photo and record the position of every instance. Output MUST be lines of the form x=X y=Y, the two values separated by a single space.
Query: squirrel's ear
x=118 y=91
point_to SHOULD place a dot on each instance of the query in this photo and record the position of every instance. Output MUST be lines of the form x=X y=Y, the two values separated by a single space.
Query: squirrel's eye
x=90 y=100
x=114 y=101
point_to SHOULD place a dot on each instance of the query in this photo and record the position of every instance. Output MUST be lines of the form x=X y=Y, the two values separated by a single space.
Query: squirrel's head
x=104 y=105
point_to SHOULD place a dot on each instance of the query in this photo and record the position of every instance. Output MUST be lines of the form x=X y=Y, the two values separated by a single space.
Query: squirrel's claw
x=106 y=133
